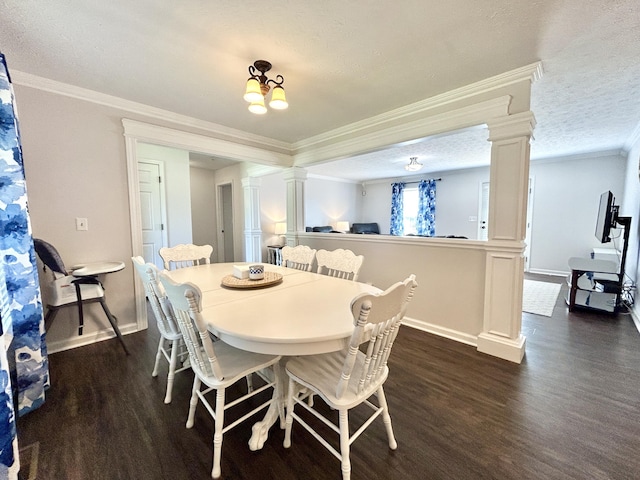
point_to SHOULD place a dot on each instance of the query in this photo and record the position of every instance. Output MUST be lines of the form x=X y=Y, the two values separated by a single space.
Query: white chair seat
x=62 y=291
x=319 y=373
x=234 y=364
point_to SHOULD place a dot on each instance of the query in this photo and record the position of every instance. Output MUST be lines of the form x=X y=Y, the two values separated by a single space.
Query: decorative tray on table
x=270 y=279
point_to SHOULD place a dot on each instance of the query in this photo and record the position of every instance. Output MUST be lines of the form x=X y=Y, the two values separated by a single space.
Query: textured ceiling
x=343 y=63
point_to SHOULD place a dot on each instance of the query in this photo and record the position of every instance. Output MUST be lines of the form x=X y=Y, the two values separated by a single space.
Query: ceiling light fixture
x=413 y=165
x=258 y=88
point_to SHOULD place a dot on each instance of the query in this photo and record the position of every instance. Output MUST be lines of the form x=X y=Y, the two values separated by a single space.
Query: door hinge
x=159 y=179
x=162 y=226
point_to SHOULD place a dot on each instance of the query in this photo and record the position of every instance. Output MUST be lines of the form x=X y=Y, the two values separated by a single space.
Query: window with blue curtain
x=426 y=220
x=413 y=210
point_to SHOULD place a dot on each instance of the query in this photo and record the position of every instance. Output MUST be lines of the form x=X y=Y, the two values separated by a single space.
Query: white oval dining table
x=305 y=314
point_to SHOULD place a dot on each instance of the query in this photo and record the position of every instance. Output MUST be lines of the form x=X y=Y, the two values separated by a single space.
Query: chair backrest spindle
x=185 y=255
x=377 y=319
x=339 y=263
x=300 y=257
x=186 y=301
x=148 y=273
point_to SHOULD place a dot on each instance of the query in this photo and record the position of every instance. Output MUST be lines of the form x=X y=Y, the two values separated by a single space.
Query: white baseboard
x=88 y=339
x=555 y=273
x=441 y=331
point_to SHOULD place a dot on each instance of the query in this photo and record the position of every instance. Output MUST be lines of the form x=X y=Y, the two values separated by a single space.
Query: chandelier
x=258 y=88
x=413 y=165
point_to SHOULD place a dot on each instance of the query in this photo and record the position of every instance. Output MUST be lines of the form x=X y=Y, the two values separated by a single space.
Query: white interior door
x=152 y=211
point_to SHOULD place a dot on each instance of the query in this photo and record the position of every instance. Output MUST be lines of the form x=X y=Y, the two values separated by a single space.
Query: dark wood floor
x=571 y=410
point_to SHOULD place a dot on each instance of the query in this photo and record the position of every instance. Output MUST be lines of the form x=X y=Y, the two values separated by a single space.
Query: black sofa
x=322 y=229
x=367 y=228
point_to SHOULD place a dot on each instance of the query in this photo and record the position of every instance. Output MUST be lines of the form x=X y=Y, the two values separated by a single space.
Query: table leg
x=260 y=430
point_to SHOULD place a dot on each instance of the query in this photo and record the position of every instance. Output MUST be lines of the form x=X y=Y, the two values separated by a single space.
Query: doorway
x=224 y=203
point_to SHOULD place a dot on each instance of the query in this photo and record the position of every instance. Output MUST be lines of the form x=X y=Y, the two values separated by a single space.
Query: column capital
x=251 y=182
x=295 y=173
x=510 y=126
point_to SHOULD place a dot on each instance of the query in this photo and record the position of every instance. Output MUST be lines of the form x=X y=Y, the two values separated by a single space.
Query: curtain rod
x=407 y=183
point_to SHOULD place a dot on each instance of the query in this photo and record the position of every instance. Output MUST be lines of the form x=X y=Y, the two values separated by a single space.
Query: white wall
x=565 y=207
x=203 y=207
x=327 y=202
x=75 y=166
x=376 y=205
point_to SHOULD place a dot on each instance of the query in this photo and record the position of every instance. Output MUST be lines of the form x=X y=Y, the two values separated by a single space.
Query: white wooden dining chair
x=351 y=377
x=185 y=255
x=171 y=345
x=216 y=364
x=300 y=257
x=339 y=263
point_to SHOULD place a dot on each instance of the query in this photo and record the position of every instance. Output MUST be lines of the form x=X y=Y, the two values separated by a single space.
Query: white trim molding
x=531 y=73
x=79 y=93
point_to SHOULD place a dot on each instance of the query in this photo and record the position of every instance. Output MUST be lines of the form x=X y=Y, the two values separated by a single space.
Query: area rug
x=539 y=297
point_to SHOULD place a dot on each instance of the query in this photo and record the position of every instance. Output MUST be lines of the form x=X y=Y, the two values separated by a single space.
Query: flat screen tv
x=607 y=213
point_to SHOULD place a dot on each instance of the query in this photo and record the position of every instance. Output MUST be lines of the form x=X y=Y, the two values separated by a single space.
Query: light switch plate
x=82 y=224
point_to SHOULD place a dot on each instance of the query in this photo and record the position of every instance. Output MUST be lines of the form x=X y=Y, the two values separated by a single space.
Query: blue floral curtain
x=426 y=221
x=24 y=368
x=397 y=211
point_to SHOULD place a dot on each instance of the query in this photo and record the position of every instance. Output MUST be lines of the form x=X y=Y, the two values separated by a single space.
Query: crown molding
x=79 y=93
x=616 y=152
x=532 y=72
x=633 y=139
x=148 y=133
x=333 y=179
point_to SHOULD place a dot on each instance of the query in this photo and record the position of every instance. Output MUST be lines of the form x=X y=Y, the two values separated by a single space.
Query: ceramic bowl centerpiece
x=256 y=272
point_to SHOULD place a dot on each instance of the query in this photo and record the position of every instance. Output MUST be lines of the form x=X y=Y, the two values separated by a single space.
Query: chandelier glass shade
x=258 y=86
x=413 y=165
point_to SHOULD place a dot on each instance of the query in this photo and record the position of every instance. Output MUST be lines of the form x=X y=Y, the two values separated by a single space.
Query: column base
x=501 y=347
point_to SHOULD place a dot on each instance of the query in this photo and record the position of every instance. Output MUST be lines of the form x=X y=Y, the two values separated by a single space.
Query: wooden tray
x=270 y=279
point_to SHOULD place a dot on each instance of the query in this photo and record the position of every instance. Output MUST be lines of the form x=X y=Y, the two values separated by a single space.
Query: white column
x=295 y=178
x=501 y=333
x=252 y=230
